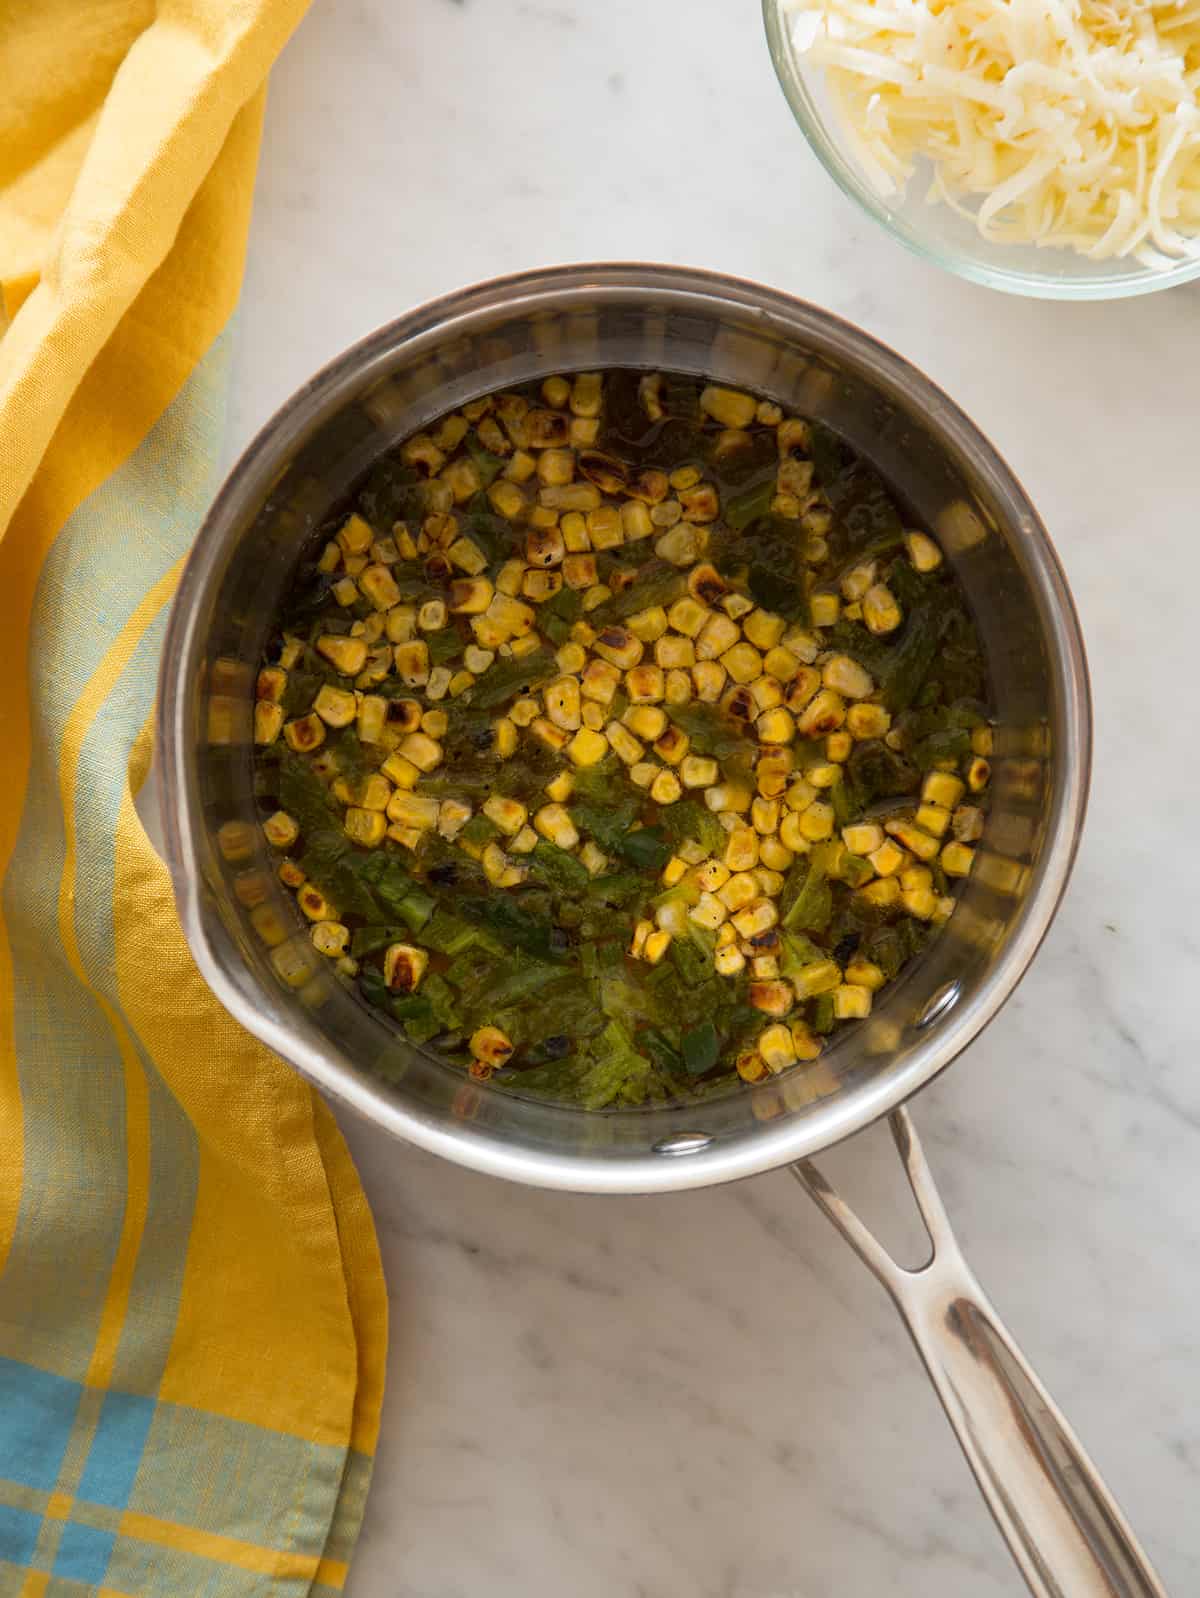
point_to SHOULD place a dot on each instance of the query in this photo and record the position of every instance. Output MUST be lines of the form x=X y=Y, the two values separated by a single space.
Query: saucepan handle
x=1062 y=1525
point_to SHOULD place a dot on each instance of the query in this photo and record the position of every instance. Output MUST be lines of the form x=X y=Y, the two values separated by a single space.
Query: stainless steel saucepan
x=1064 y=1529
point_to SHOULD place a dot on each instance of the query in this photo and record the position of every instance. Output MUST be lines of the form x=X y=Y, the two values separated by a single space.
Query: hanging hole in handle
x=683 y=1143
x=942 y=1002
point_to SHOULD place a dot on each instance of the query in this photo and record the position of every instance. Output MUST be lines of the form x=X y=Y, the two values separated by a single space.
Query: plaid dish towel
x=192 y=1312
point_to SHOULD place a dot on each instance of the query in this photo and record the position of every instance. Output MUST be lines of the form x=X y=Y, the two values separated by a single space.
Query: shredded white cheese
x=1067 y=123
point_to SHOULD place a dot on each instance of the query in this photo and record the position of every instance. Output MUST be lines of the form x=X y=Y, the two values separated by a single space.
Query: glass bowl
x=935 y=231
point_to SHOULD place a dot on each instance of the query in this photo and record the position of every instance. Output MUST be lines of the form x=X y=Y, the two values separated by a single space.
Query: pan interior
x=303 y=466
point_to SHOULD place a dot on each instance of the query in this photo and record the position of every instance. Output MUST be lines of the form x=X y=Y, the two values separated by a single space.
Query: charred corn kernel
x=645 y=684
x=743 y=663
x=922 y=551
x=504 y=734
x=763 y=629
x=304 y=734
x=824 y=609
x=942 y=788
x=758 y=916
x=415 y=810
x=775 y=855
x=728 y=961
x=645 y=721
x=624 y=744
x=495 y=863
x=587 y=748
x=569 y=496
x=666 y=514
x=687 y=616
x=562 y=702
x=579 y=571
x=281 y=830
x=678 y=687
x=817 y=822
x=412 y=663
x=957 y=860
x=674 y=652
x=847 y=677
x=666 y=788
x=453 y=816
x=865 y=974
x=729 y=406
x=723 y=796
x=741 y=889
x=619 y=647
x=439 y=684
x=764 y=815
x=401 y=624
x=967 y=823
x=548 y=734
x=699 y=504
x=424 y=752
x=867 y=721
x=648 y=624
x=571 y=658
x=765 y=693
x=712 y=875
x=716 y=636
x=641 y=931
x=708 y=680
x=863 y=838
x=682 y=544
x=838 y=746
x=915 y=839
x=491 y=1046
x=935 y=819
x=451 y=433
x=400 y=771
x=708 y=912
x=519 y=469
x=510 y=815
x=635 y=522
x=560 y=787
x=554 y=822
x=772 y=998
x=775 y=726
x=380 y=587
x=330 y=938
x=920 y=902
x=674 y=870
x=363 y=826
x=270 y=684
x=776 y=1047
x=698 y=771
x=348 y=655
x=408 y=837
x=515 y=618
x=851 y=1002
x=825 y=713
x=355 y=536
x=881 y=610
x=506 y=498
x=979 y=774
x=773 y=770
x=887 y=858
x=883 y=894
x=268 y=721
x=545 y=546
x=524 y=842
x=374 y=791
x=671 y=745
x=586 y=393
x=802 y=688
x=314 y=903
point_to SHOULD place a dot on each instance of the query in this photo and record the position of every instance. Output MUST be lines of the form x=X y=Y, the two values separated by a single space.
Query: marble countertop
x=707 y=1395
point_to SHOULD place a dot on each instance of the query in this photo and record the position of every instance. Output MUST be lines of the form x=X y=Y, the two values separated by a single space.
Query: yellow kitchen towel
x=192 y=1312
